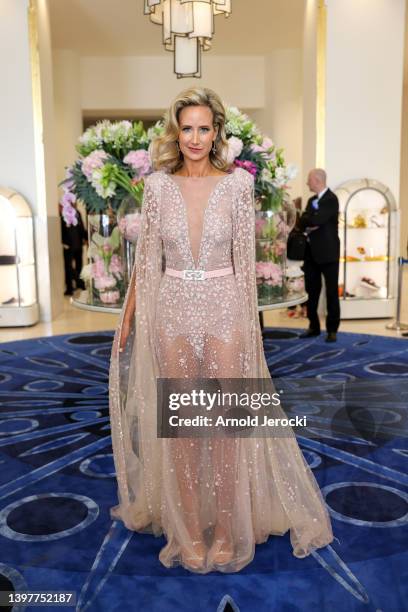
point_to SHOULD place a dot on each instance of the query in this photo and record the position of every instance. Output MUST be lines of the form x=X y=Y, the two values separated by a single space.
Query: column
x=27 y=144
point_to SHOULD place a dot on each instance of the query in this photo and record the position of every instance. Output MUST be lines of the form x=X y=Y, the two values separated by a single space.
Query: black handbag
x=296 y=246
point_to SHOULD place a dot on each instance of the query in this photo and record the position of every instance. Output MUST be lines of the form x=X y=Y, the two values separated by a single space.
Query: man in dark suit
x=73 y=239
x=320 y=223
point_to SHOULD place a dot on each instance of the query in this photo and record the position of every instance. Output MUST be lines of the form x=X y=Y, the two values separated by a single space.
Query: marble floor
x=74 y=320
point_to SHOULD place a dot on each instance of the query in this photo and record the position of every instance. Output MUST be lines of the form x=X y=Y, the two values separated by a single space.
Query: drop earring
x=214 y=148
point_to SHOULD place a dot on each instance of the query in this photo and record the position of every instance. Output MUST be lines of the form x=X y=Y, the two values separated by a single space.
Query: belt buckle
x=193 y=274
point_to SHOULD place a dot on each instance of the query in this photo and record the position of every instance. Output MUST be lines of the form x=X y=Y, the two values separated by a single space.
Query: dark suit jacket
x=74 y=235
x=324 y=243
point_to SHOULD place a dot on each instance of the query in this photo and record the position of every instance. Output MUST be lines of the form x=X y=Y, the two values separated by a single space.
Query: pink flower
x=104 y=282
x=264 y=147
x=129 y=226
x=109 y=297
x=267 y=143
x=69 y=215
x=68 y=198
x=68 y=211
x=235 y=146
x=269 y=272
x=69 y=184
x=115 y=266
x=107 y=248
x=93 y=161
x=139 y=161
x=247 y=165
x=98 y=268
x=259 y=226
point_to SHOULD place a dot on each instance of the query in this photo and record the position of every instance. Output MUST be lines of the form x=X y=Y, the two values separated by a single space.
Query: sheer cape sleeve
x=276 y=456
x=243 y=248
x=133 y=373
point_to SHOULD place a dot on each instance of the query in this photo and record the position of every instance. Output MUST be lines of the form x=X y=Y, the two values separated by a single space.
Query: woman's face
x=197 y=133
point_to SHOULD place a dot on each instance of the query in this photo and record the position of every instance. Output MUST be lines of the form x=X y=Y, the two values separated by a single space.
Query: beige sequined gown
x=253 y=487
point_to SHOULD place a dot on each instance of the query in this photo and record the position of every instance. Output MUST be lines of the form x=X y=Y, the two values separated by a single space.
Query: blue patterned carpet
x=57 y=484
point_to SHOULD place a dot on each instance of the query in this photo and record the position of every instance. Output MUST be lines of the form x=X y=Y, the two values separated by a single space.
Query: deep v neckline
x=185 y=214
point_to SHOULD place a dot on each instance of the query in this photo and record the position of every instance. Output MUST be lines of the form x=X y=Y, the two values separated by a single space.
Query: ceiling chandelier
x=188 y=28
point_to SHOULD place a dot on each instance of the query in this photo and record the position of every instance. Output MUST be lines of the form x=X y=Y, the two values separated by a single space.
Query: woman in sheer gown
x=214 y=498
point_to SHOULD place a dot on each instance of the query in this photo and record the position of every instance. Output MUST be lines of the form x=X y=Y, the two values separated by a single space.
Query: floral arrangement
x=109 y=172
x=113 y=160
x=256 y=153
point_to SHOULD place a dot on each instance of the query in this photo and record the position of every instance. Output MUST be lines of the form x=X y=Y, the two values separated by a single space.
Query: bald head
x=317 y=180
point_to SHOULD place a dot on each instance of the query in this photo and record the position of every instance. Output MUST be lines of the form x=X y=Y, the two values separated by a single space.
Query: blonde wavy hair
x=164 y=151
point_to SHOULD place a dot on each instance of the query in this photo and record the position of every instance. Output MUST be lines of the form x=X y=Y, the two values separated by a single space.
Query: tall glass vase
x=104 y=273
x=129 y=219
x=271 y=233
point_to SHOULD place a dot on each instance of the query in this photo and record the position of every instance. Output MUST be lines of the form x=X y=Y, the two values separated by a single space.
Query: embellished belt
x=199 y=274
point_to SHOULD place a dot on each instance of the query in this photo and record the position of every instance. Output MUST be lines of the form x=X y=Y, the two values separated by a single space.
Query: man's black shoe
x=331 y=337
x=310 y=333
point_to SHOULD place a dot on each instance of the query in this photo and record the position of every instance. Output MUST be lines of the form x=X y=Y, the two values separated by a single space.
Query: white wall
x=68 y=110
x=364 y=90
x=404 y=152
x=149 y=83
x=17 y=167
x=309 y=83
x=281 y=118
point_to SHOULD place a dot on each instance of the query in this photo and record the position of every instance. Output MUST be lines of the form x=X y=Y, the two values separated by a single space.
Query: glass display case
x=18 y=289
x=368 y=229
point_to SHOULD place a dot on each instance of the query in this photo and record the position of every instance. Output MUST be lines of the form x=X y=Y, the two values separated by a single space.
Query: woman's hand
x=124 y=334
x=127 y=320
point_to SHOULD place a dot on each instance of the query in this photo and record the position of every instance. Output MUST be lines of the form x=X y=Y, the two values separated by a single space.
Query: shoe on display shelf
x=369 y=283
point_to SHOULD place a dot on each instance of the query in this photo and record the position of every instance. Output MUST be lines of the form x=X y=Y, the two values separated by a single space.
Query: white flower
x=101 y=128
x=280 y=176
x=104 y=192
x=86 y=272
x=266 y=175
x=155 y=130
x=89 y=137
x=235 y=146
x=126 y=126
x=291 y=171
